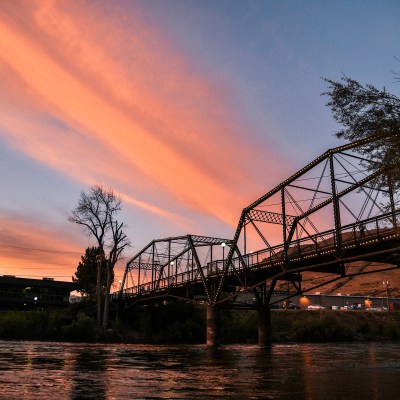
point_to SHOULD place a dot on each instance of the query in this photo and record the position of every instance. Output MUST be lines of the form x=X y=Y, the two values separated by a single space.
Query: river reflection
x=40 y=370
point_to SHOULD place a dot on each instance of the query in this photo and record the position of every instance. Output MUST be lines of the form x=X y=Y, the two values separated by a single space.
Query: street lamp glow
x=223 y=244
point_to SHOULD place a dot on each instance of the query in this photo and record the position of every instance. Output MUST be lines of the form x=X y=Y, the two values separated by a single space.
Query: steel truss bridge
x=327 y=216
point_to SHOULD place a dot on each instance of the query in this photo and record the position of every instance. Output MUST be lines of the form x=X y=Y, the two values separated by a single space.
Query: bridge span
x=324 y=218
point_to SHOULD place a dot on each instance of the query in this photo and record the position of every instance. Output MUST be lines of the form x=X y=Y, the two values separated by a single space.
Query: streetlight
x=386 y=284
x=172 y=271
x=223 y=244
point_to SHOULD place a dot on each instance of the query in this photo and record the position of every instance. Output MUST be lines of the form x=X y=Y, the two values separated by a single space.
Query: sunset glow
x=119 y=94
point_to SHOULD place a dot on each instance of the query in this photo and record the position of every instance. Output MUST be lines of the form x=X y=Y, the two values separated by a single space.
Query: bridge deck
x=376 y=239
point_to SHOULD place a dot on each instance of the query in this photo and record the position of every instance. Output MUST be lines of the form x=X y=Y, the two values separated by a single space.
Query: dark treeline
x=185 y=323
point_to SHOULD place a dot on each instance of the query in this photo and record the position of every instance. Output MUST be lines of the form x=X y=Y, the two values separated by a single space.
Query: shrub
x=324 y=329
x=83 y=329
x=14 y=325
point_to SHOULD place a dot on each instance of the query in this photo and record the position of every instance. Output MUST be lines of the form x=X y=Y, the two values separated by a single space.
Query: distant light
x=223 y=244
x=35 y=298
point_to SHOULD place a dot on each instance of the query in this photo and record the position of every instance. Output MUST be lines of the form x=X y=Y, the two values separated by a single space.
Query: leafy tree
x=96 y=212
x=86 y=273
x=366 y=112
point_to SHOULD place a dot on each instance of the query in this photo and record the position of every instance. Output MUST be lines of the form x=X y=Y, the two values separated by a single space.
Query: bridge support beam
x=264 y=326
x=213 y=321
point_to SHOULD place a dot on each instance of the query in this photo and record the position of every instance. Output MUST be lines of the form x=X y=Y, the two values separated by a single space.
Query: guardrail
x=361 y=233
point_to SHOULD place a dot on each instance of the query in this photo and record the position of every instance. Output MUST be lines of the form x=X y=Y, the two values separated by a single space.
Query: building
x=27 y=294
x=339 y=301
x=330 y=301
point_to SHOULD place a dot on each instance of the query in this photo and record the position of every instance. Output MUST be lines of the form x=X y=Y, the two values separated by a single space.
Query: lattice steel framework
x=328 y=214
x=167 y=265
x=326 y=207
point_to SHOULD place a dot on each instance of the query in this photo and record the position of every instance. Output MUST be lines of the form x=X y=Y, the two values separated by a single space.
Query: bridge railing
x=351 y=235
x=375 y=228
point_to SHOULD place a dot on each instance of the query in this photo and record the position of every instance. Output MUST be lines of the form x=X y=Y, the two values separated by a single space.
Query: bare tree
x=96 y=211
x=119 y=242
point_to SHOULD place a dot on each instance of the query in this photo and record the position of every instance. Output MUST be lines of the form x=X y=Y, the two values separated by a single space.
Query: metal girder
x=171 y=258
x=178 y=261
x=271 y=217
x=308 y=167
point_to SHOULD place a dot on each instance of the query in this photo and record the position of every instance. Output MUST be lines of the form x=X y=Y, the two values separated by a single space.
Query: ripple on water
x=32 y=370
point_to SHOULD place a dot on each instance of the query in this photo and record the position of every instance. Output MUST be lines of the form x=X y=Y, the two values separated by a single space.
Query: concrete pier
x=213 y=321
x=264 y=326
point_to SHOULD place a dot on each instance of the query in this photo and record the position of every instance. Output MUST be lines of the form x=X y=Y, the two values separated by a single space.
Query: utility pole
x=386 y=284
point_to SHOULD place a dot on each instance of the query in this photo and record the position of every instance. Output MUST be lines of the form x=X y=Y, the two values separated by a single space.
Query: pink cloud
x=32 y=246
x=135 y=114
x=152 y=113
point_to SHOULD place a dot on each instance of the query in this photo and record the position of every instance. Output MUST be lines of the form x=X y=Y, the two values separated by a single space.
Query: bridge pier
x=264 y=326
x=213 y=322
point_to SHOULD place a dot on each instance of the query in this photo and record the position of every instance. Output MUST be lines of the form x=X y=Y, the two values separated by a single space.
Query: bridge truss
x=179 y=267
x=326 y=216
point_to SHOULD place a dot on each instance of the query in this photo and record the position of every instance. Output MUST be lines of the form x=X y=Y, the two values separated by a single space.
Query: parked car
x=315 y=307
x=292 y=306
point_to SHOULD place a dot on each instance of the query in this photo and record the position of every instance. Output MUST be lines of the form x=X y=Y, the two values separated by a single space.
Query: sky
x=188 y=109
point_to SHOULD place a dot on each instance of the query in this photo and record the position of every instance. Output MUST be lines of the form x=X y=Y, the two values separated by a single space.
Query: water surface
x=41 y=370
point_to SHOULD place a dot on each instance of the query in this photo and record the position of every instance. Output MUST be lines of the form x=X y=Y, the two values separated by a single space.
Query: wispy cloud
x=101 y=96
x=144 y=111
x=32 y=246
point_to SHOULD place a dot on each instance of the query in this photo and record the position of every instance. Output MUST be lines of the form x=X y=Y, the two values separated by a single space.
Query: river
x=47 y=370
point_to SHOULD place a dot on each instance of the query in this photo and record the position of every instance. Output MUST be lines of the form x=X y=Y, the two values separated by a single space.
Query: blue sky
x=190 y=110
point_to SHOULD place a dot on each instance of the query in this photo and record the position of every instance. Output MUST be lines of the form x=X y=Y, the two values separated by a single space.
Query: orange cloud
x=100 y=97
x=132 y=96
x=73 y=158
x=30 y=246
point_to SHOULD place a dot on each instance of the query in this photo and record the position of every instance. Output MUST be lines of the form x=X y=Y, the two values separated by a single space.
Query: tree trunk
x=107 y=297
x=98 y=289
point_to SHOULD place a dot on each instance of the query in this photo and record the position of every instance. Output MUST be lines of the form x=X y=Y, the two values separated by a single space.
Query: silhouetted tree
x=367 y=112
x=118 y=243
x=86 y=273
x=96 y=212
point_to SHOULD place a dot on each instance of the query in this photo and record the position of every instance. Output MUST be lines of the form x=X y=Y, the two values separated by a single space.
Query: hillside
x=369 y=284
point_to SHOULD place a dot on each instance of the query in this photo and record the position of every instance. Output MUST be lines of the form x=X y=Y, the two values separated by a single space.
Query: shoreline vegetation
x=185 y=323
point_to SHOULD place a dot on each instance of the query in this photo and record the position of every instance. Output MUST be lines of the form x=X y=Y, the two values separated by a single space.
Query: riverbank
x=185 y=323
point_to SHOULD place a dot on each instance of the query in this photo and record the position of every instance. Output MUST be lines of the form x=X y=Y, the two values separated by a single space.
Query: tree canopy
x=86 y=273
x=366 y=112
